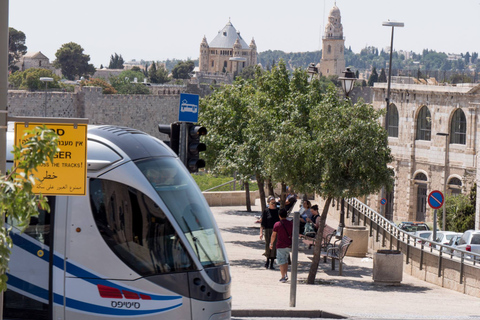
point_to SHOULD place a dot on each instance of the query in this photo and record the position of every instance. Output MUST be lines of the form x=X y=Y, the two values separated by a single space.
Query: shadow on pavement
x=242 y=213
x=251 y=231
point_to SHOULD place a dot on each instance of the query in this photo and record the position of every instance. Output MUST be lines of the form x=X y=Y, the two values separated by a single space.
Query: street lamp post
x=46 y=80
x=444 y=218
x=392 y=24
x=348 y=82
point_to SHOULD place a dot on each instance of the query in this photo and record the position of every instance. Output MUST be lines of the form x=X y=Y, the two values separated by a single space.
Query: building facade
x=434 y=137
x=227 y=52
x=333 y=45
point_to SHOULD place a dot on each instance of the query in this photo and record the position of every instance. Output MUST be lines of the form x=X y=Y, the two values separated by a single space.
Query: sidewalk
x=352 y=295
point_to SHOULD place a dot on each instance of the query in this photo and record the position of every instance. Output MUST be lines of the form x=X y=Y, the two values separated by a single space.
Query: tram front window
x=185 y=201
x=136 y=229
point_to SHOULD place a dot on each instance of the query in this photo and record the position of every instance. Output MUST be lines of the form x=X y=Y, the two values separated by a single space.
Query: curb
x=285 y=314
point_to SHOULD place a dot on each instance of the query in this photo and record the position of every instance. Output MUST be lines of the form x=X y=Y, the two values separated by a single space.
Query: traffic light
x=194 y=147
x=173 y=131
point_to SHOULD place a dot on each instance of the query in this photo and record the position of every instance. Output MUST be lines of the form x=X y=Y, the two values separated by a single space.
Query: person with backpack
x=282 y=233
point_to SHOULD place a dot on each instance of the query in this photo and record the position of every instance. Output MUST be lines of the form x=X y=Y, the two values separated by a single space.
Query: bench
x=337 y=251
x=328 y=233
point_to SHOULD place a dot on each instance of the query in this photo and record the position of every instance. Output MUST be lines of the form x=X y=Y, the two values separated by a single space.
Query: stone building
x=333 y=45
x=34 y=60
x=227 y=52
x=420 y=116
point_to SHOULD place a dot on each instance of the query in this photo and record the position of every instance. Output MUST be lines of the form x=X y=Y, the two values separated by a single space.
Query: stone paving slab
x=353 y=295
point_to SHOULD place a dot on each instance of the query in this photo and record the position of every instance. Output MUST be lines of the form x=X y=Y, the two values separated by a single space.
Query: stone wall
x=142 y=112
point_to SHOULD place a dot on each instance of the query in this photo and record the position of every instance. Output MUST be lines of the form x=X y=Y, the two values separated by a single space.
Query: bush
x=30 y=79
x=96 y=82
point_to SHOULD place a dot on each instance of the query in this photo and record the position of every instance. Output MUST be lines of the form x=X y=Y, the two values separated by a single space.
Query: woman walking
x=269 y=218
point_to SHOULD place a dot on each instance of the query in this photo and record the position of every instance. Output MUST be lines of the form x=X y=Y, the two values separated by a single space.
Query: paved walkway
x=258 y=293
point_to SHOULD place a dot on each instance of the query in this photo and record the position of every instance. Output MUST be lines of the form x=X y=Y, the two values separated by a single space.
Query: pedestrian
x=268 y=220
x=282 y=233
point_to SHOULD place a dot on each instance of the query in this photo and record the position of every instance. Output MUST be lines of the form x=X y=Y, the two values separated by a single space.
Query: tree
x=16 y=47
x=96 y=82
x=460 y=211
x=183 y=69
x=73 y=62
x=30 y=79
x=348 y=154
x=125 y=83
x=17 y=201
x=116 y=61
x=159 y=75
x=373 y=77
x=382 y=77
x=248 y=72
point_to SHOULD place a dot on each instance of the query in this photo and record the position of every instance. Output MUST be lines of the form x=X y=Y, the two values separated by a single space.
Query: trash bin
x=388 y=267
x=359 y=235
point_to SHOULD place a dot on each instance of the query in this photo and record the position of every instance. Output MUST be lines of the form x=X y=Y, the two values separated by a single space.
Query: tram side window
x=136 y=229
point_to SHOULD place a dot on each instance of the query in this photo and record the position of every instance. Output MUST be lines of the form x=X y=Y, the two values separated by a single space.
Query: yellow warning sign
x=67 y=174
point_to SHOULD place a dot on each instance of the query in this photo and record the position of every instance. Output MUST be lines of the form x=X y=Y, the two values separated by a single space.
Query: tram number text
x=125 y=305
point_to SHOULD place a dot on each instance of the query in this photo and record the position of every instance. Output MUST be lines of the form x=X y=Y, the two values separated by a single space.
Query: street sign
x=436 y=199
x=67 y=175
x=188 y=108
x=383 y=201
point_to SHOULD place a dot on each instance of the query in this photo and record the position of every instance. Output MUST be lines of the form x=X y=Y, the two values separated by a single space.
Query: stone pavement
x=258 y=293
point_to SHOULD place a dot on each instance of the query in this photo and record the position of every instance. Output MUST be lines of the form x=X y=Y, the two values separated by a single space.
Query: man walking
x=282 y=231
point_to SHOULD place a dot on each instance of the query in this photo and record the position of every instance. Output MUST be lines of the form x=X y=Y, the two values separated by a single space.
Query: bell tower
x=333 y=45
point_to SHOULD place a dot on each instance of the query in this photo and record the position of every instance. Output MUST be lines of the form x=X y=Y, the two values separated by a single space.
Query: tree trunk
x=271 y=191
x=318 y=243
x=247 y=195
x=261 y=190
x=283 y=195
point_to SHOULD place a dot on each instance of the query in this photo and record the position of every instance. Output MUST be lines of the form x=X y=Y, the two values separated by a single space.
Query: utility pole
x=3 y=97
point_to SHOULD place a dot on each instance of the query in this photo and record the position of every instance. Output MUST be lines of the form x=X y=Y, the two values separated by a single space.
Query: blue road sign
x=383 y=201
x=436 y=199
x=188 y=108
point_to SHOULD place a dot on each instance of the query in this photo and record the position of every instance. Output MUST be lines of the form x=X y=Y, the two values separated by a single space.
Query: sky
x=160 y=29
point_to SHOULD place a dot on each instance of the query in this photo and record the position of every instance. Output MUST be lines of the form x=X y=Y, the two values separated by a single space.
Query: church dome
x=335 y=12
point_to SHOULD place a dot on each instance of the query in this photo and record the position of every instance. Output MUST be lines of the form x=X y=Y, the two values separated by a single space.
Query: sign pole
x=435 y=225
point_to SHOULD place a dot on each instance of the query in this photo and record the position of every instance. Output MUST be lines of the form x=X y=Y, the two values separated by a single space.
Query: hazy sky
x=161 y=29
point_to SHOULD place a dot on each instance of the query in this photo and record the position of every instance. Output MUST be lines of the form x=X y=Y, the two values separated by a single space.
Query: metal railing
x=409 y=241
x=223 y=184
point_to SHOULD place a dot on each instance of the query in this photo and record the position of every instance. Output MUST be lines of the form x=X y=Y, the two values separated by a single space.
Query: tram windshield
x=184 y=200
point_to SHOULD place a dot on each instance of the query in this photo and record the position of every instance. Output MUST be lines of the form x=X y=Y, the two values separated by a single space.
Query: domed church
x=227 y=52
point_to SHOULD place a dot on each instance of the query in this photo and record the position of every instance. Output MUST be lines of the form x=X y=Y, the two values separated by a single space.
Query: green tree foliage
x=96 y=82
x=116 y=61
x=30 y=79
x=73 y=62
x=373 y=77
x=285 y=128
x=183 y=69
x=16 y=47
x=460 y=210
x=125 y=83
x=17 y=200
x=158 y=75
x=382 y=77
x=349 y=155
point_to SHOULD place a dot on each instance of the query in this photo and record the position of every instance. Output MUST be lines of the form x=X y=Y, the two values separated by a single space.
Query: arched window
x=421 y=177
x=455 y=186
x=392 y=121
x=458 y=129
x=329 y=49
x=424 y=124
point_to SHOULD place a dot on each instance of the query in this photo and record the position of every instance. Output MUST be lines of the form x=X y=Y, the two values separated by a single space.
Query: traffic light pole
x=183 y=143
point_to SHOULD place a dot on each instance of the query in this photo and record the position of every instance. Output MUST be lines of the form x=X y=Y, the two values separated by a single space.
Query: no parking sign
x=436 y=199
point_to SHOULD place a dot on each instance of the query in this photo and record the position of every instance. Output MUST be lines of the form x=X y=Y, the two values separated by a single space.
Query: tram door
x=27 y=296
x=421 y=202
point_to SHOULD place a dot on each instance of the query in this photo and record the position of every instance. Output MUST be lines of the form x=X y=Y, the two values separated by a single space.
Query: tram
x=141 y=244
